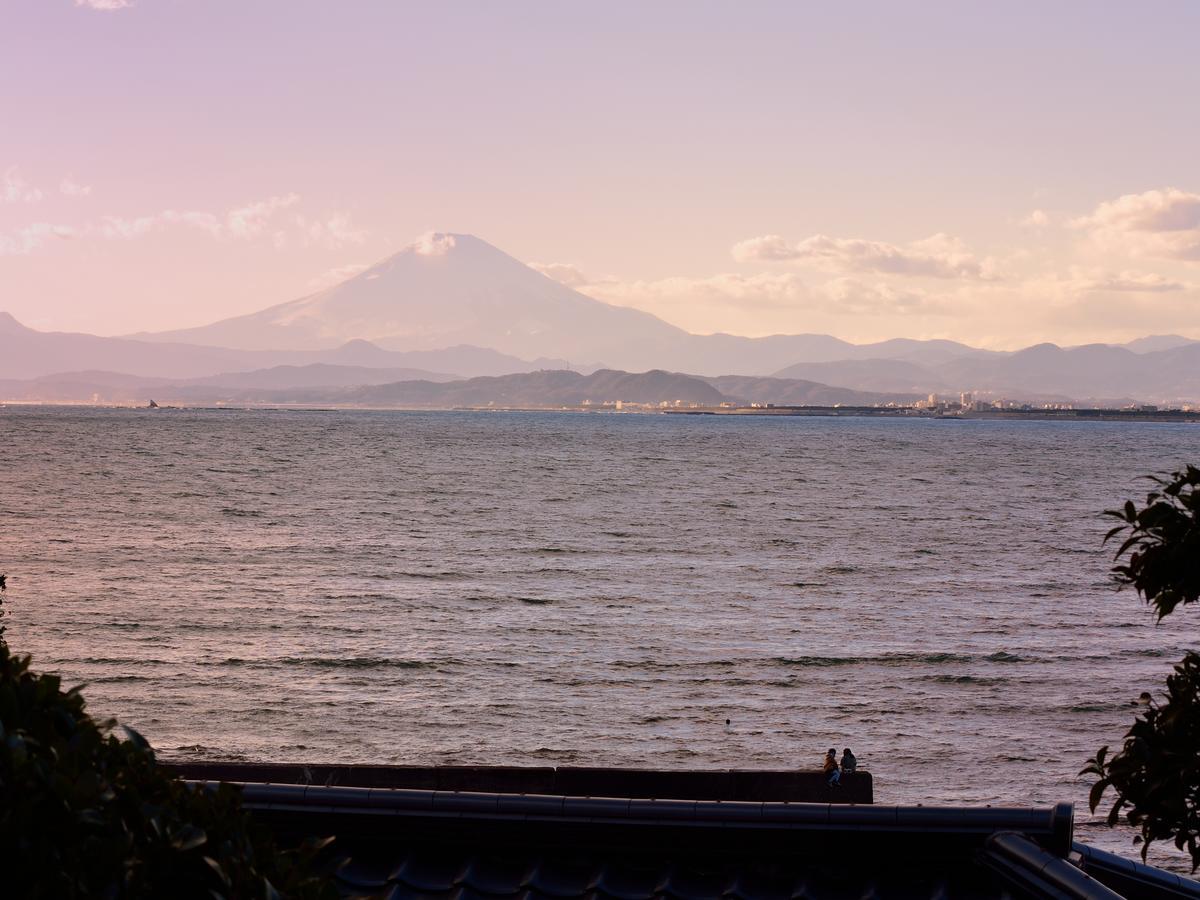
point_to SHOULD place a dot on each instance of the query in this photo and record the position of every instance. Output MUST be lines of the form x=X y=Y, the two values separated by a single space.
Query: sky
x=1005 y=175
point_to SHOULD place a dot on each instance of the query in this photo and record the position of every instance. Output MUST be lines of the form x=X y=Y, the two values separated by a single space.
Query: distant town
x=965 y=405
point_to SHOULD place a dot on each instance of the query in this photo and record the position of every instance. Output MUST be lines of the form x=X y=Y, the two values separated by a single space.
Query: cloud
x=257 y=220
x=105 y=5
x=333 y=232
x=1134 y=283
x=14 y=188
x=770 y=291
x=242 y=223
x=250 y=221
x=118 y=228
x=1036 y=219
x=1163 y=223
x=851 y=295
x=563 y=273
x=1079 y=281
x=29 y=238
x=69 y=188
x=433 y=243
x=939 y=256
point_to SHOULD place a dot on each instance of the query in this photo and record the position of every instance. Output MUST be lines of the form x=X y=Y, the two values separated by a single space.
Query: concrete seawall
x=576 y=781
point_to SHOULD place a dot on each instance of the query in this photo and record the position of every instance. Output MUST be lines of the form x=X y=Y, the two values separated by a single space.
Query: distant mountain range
x=25 y=353
x=1091 y=371
x=452 y=307
x=354 y=387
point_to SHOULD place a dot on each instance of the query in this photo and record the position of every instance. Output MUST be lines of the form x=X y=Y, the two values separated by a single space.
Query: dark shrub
x=86 y=812
x=1156 y=773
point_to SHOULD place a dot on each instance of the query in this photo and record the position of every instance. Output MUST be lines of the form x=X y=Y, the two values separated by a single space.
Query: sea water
x=594 y=589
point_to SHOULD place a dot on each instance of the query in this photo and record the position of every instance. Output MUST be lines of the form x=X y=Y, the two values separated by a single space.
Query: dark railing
x=579 y=781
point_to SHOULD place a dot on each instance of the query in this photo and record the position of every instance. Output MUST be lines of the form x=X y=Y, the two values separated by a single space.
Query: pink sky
x=1003 y=176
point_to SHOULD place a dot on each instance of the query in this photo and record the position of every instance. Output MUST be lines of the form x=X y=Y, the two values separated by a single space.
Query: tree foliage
x=1156 y=773
x=1163 y=542
x=1155 y=776
x=85 y=811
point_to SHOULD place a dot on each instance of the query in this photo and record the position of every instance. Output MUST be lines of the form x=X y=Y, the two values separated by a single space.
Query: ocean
x=594 y=589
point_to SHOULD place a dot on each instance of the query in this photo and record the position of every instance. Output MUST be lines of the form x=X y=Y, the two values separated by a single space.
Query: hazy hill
x=319 y=375
x=1155 y=342
x=26 y=353
x=886 y=375
x=746 y=389
x=549 y=388
x=1087 y=371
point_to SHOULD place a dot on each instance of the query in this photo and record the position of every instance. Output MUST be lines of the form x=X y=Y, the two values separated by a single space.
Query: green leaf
x=189 y=838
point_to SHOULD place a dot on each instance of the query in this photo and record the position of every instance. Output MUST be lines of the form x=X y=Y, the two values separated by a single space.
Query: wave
x=886 y=659
x=333 y=662
x=122 y=661
x=1004 y=656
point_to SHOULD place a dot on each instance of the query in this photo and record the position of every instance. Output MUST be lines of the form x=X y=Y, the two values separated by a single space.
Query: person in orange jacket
x=830 y=768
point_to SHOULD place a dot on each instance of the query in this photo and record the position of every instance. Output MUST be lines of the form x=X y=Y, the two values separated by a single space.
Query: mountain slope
x=448 y=289
x=887 y=375
x=315 y=375
x=1154 y=342
x=746 y=389
x=550 y=388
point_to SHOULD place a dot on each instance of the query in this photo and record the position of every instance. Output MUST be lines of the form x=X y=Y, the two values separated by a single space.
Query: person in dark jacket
x=849 y=763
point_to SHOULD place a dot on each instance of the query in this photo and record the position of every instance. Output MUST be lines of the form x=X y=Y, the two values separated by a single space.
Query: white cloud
x=242 y=223
x=853 y=296
x=1080 y=282
x=333 y=232
x=1133 y=282
x=778 y=291
x=258 y=220
x=939 y=256
x=250 y=221
x=14 y=188
x=1163 y=223
x=69 y=188
x=105 y=5
x=30 y=237
x=1036 y=219
x=433 y=243
x=564 y=273
x=118 y=228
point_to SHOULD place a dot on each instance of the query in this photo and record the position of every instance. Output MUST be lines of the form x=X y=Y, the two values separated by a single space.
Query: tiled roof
x=456 y=845
x=437 y=844
x=429 y=872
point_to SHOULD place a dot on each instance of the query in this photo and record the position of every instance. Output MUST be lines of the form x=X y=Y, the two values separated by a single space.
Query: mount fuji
x=446 y=290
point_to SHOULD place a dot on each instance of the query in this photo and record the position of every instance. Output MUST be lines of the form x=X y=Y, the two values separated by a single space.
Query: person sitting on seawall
x=849 y=763
x=830 y=768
